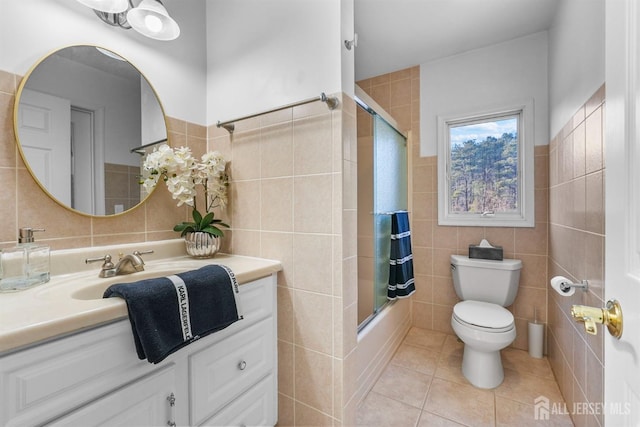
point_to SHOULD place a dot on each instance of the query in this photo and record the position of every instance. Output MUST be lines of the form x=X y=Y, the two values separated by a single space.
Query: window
x=485 y=164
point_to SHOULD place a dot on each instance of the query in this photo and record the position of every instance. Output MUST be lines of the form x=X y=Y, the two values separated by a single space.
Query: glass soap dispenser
x=24 y=265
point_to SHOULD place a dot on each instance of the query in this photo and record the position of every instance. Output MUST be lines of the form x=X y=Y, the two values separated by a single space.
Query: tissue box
x=479 y=252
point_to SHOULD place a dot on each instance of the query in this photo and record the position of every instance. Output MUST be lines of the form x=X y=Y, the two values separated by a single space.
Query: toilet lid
x=483 y=314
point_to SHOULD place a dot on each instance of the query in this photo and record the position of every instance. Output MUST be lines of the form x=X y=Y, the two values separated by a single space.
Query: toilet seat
x=483 y=316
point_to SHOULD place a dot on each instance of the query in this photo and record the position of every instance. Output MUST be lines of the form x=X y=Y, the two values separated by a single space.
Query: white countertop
x=72 y=301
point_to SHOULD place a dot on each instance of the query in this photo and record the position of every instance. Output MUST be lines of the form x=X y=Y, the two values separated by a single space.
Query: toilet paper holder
x=565 y=286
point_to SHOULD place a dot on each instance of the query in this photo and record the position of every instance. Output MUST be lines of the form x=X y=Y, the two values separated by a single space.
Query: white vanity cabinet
x=94 y=377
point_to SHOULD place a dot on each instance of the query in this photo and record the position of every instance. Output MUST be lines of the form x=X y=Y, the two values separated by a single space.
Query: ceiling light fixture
x=150 y=18
x=108 y=6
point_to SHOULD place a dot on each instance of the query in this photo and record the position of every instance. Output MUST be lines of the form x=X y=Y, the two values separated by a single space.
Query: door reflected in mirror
x=85 y=118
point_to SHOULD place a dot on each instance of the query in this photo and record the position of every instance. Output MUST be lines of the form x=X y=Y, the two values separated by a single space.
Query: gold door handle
x=611 y=316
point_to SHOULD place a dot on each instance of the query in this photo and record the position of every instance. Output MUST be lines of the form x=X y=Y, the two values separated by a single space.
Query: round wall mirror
x=84 y=119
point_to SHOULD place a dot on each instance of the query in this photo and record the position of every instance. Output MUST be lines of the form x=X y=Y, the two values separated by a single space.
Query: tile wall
x=121 y=186
x=576 y=251
x=292 y=198
x=399 y=94
x=293 y=177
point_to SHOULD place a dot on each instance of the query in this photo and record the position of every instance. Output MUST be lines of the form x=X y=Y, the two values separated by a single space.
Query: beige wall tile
x=285 y=411
x=313 y=196
x=279 y=246
x=349 y=332
x=382 y=95
x=422 y=316
x=7 y=137
x=36 y=209
x=276 y=204
x=244 y=204
x=286 y=323
x=424 y=288
x=442 y=318
x=313 y=262
x=578 y=157
x=312 y=145
x=594 y=203
x=285 y=368
x=8 y=210
x=445 y=237
x=244 y=163
x=534 y=271
x=8 y=82
x=443 y=291
x=400 y=92
x=276 y=151
x=531 y=240
x=132 y=222
x=176 y=125
x=246 y=242
x=594 y=141
x=313 y=381
x=313 y=321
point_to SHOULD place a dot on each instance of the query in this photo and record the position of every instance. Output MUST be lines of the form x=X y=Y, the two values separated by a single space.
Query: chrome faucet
x=127 y=264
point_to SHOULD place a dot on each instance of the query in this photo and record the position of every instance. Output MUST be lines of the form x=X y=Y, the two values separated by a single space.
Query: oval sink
x=88 y=286
x=94 y=289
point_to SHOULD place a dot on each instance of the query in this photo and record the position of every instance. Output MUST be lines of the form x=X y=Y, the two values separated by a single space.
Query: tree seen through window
x=483 y=175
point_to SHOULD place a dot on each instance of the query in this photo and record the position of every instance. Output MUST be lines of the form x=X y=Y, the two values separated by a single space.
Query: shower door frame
x=382 y=215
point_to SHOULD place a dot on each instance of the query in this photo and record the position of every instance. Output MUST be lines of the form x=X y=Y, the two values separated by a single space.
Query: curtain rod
x=332 y=104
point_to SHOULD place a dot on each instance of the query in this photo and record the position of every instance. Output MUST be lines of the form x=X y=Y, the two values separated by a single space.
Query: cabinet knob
x=242 y=365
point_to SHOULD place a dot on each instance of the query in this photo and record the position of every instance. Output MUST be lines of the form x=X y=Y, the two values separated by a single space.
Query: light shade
x=109 y=6
x=151 y=19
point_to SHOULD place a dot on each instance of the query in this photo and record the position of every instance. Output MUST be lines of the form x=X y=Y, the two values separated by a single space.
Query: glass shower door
x=389 y=195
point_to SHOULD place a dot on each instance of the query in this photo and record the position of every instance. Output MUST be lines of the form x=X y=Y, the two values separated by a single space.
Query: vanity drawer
x=225 y=370
x=63 y=374
x=256 y=407
x=256 y=299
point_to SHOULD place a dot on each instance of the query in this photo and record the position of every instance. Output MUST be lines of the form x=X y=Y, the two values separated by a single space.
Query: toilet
x=481 y=320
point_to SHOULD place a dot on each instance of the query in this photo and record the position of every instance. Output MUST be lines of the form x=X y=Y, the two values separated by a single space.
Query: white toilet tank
x=485 y=280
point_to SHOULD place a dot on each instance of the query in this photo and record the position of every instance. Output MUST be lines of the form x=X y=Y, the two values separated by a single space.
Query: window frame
x=525 y=217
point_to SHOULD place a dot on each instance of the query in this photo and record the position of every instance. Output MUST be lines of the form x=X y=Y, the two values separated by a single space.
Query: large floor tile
x=378 y=410
x=520 y=361
x=427 y=419
x=525 y=388
x=416 y=358
x=511 y=413
x=404 y=385
x=431 y=340
x=461 y=403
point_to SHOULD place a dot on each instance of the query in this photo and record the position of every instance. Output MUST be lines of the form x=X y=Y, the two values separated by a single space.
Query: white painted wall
x=265 y=54
x=499 y=75
x=92 y=89
x=177 y=69
x=576 y=58
x=347 y=15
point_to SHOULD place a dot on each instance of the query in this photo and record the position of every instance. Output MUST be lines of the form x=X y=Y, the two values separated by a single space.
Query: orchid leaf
x=197 y=218
x=204 y=223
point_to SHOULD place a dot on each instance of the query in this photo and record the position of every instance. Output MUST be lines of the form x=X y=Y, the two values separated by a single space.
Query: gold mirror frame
x=16 y=124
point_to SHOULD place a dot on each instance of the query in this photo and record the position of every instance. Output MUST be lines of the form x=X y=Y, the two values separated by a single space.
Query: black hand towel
x=167 y=313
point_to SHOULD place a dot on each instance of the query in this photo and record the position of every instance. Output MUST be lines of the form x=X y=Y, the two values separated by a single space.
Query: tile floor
x=423 y=386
